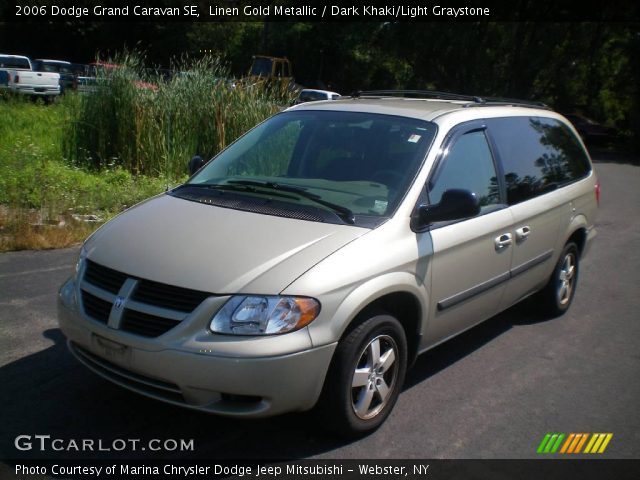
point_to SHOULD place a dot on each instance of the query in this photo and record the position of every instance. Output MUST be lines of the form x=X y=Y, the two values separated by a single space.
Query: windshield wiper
x=231 y=188
x=343 y=212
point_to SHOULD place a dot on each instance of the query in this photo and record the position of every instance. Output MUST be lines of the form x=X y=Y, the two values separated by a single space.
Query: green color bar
x=544 y=442
x=554 y=449
x=552 y=440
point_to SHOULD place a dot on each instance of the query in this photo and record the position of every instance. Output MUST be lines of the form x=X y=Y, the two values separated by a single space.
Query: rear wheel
x=365 y=376
x=556 y=297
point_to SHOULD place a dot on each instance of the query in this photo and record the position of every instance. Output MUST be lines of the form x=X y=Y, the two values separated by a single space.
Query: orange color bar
x=567 y=443
x=575 y=442
x=579 y=446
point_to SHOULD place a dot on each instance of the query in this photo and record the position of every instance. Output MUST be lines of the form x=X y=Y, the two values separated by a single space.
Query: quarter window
x=538 y=154
x=468 y=165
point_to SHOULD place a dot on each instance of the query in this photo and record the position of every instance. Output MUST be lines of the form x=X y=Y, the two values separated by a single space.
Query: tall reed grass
x=152 y=125
x=67 y=167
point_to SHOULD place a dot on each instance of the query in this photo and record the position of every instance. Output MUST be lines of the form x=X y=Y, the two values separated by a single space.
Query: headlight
x=264 y=315
x=81 y=259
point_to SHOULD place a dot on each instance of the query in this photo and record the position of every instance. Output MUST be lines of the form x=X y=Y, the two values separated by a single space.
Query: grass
x=66 y=168
x=41 y=192
x=19 y=232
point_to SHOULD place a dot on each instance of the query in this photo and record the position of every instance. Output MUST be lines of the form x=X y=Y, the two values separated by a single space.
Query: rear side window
x=538 y=155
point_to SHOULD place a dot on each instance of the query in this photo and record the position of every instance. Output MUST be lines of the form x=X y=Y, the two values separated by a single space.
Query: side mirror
x=454 y=205
x=195 y=164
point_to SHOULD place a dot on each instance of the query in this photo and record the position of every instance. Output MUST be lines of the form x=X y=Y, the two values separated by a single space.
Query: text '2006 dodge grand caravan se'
x=313 y=259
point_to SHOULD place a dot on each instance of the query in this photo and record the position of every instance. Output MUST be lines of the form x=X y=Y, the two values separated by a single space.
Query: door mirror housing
x=195 y=164
x=455 y=204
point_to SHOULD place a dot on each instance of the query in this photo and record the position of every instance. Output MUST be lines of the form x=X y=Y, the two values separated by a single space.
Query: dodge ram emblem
x=118 y=303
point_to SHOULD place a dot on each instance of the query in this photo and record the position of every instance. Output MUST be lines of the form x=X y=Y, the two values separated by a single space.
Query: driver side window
x=467 y=165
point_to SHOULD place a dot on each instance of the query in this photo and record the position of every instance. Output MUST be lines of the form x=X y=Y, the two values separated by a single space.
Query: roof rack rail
x=476 y=101
x=416 y=94
x=491 y=101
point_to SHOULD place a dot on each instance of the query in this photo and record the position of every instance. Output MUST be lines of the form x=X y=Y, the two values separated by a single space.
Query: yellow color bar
x=599 y=440
x=591 y=442
x=607 y=439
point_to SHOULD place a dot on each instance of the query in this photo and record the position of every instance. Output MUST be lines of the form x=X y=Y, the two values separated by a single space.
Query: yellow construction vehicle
x=270 y=70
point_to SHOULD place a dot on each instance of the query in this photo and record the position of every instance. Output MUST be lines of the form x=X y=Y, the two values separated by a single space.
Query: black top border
x=318 y=11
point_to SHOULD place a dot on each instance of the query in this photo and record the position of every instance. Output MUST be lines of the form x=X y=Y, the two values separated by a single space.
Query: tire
x=557 y=296
x=359 y=359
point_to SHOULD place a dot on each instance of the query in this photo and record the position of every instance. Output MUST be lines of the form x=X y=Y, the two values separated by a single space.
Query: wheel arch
x=576 y=233
x=397 y=294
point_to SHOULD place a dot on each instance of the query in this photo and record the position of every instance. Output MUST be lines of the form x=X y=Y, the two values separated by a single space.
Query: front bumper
x=215 y=380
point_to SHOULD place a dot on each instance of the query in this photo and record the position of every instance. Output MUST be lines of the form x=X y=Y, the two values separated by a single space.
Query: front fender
x=340 y=313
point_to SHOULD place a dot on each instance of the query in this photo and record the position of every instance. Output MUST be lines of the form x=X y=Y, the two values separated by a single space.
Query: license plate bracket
x=113 y=351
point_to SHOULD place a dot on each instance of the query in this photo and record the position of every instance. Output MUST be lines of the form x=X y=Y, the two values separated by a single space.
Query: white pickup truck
x=17 y=75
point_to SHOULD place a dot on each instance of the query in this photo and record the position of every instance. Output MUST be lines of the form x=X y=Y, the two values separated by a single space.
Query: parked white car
x=311 y=95
x=21 y=78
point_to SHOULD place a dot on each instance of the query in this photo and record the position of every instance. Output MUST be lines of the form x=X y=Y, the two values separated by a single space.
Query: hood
x=214 y=249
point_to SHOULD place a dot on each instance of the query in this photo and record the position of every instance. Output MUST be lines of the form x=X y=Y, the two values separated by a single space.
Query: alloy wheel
x=375 y=377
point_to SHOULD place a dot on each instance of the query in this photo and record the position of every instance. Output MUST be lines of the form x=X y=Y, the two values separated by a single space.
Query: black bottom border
x=558 y=467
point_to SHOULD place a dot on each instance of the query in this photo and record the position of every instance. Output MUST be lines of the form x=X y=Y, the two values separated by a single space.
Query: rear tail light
x=597 y=190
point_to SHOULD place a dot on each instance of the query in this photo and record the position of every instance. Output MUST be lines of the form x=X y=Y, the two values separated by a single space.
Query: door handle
x=503 y=241
x=522 y=233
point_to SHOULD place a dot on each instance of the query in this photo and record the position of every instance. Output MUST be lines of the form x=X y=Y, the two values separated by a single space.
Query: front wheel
x=556 y=297
x=365 y=377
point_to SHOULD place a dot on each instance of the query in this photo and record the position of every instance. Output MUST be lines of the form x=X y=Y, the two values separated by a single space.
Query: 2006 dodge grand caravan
x=313 y=259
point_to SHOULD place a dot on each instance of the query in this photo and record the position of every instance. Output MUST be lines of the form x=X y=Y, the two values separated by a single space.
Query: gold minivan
x=309 y=263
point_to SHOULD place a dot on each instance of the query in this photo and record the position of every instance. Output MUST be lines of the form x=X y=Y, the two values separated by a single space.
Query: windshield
x=55 y=67
x=358 y=165
x=261 y=67
x=311 y=96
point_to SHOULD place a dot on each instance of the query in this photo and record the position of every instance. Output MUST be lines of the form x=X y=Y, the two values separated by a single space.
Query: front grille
x=104 y=277
x=145 y=324
x=168 y=296
x=95 y=307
